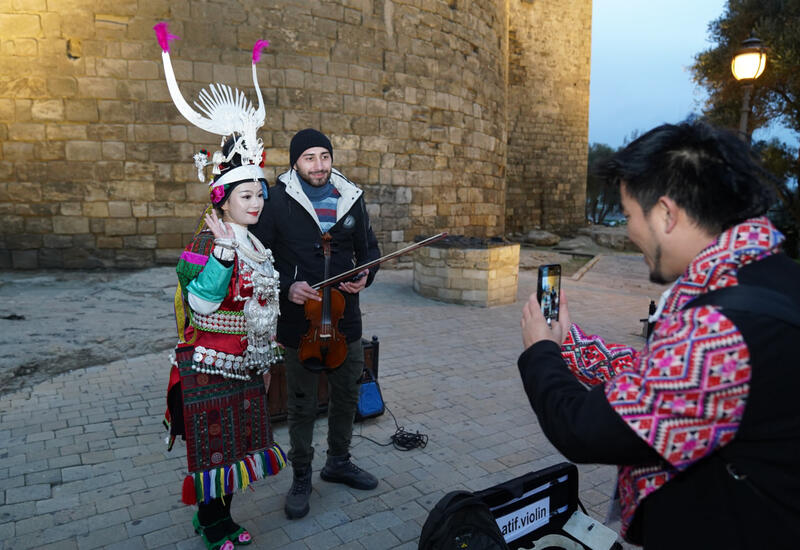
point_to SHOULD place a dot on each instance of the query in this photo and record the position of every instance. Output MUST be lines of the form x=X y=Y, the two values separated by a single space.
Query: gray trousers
x=302 y=386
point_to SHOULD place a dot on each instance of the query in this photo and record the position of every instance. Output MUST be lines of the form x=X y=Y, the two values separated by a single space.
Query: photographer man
x=703 y=422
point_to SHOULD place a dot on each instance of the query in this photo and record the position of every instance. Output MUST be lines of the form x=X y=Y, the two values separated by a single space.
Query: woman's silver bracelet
x=226 y=243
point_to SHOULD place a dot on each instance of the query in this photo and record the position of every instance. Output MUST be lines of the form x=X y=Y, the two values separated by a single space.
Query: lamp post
x=747 y=64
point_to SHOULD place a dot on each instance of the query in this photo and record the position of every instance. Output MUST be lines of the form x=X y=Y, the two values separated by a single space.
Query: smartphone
x=548 y=290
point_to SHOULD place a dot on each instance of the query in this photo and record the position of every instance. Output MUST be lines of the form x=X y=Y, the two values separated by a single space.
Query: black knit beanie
x=306 y=139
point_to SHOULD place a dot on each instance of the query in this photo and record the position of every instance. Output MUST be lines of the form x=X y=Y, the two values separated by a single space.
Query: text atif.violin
x=323 y=346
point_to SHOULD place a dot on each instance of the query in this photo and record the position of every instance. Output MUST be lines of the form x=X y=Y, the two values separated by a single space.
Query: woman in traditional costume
x=227 y=311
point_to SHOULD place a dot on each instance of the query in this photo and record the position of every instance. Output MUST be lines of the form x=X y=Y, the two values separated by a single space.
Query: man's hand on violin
x=301 y=291
x=354 y=287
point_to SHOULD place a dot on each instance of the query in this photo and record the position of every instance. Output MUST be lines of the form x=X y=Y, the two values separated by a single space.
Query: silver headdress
x=224 y=111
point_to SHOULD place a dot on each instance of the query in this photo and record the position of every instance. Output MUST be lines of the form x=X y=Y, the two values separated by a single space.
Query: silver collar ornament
x=259 y=313
x=261 y=309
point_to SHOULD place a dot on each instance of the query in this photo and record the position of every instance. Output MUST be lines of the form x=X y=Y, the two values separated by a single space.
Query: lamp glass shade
x=748 y=65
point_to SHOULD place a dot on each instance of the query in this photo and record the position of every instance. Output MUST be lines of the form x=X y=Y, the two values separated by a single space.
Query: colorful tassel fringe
x=204 y=486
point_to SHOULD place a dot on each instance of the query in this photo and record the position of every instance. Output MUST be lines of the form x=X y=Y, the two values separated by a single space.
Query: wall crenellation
x=465 y=116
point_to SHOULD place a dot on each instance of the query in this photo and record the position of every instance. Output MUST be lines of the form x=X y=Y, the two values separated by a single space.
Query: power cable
x=401 y=439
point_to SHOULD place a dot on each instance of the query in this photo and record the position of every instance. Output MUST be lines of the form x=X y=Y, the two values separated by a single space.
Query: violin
x=323 y=346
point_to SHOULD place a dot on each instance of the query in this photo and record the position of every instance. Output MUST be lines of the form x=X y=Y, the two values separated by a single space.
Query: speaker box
x=276 y=396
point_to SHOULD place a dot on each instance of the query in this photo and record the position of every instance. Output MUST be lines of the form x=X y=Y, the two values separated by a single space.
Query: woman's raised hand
x=219 y=228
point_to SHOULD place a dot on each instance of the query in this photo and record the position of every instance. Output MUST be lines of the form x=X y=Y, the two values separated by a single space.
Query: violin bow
x=397 y=253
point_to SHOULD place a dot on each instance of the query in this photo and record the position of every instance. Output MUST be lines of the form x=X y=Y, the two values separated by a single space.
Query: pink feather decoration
x=163 y=36
x=257 y=47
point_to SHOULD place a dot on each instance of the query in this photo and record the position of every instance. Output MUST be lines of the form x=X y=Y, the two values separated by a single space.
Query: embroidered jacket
x=712 y=390
x=216 y=296
x=685 y=392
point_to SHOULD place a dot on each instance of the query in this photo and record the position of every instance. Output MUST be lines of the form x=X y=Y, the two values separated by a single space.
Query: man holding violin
x=316 y=223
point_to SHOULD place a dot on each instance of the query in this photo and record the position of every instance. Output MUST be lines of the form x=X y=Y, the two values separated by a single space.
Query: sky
x=641 y=54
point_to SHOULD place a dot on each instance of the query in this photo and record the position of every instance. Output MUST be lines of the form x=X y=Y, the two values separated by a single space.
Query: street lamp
x=747 y=65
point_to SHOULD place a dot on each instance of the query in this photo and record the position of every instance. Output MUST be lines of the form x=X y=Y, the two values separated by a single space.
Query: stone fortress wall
x=548 y=114
x=468 y=116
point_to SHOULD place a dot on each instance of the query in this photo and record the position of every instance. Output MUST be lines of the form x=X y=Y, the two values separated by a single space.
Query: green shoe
x=237 y=534
x=222 y=544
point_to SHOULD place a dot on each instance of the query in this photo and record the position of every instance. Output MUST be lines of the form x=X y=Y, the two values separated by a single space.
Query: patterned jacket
x=700 y=396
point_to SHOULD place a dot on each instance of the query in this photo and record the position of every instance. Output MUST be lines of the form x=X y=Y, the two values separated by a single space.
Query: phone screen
x=548 y=290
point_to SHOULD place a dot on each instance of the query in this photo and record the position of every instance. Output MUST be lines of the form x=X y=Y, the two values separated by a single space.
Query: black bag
x=370 y=399
x=533 y=505
x=461 y=521
x=751 y=299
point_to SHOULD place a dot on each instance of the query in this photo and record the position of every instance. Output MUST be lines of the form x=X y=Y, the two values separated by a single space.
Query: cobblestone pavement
x=83 y=462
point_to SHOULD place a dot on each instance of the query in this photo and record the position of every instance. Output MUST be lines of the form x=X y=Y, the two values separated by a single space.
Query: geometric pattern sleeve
x=687 y=391
x=592 y=360
x=194 y=258
x=191 y=262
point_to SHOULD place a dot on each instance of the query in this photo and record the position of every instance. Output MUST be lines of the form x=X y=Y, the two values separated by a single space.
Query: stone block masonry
x=548 y=115
x=452 y=115
x=468 y=276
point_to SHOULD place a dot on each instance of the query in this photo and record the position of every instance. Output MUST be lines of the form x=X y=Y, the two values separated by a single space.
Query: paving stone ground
x=83 y=462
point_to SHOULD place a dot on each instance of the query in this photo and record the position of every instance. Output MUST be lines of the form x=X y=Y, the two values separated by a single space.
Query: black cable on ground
x=401 y=439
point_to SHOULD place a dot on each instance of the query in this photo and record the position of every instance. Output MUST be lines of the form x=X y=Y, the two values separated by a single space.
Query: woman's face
x=245 y=204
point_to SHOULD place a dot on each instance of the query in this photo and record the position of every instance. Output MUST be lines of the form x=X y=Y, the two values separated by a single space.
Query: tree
x=602 y=199
x=781 y=161
x=776 y=93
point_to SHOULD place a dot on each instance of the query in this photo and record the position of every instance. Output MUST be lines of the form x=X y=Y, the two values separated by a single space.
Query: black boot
x=340 y=469
x=299 y=494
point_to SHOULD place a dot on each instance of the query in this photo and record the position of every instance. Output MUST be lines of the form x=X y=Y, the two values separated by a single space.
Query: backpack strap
x=761 y=301
x=751 y=299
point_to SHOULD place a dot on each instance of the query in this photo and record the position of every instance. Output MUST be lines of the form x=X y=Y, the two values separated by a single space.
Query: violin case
x=540 y=510
x=276 y=396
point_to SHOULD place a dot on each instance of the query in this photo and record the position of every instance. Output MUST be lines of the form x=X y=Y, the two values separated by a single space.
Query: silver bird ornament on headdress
x=224 y=111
